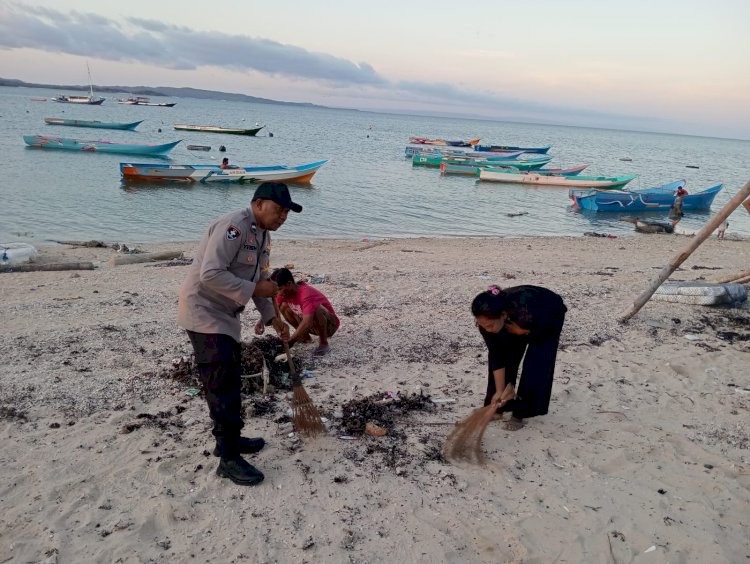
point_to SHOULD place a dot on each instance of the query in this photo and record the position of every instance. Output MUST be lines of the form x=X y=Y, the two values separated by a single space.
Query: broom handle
x=293 y=371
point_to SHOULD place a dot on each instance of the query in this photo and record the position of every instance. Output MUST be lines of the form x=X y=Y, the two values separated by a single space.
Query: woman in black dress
x=516 y=321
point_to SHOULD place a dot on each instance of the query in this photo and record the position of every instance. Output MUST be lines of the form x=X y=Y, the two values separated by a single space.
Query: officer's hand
x=266 y=289
x=260 y=327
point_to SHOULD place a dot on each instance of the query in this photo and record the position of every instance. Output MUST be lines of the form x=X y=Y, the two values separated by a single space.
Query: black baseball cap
x=276 y=192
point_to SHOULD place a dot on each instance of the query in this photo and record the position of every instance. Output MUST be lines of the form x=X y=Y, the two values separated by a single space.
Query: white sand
x=646 y=443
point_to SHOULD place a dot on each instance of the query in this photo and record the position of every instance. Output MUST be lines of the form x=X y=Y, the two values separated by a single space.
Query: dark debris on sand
x=382 y=409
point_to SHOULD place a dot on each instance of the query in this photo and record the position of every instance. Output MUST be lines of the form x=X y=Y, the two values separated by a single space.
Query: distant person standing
x=676 y=213
x=231 y=267
x=722 y=230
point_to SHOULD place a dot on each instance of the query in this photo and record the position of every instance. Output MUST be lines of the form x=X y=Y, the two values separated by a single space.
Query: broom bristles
x=305 y=415
x=464 y=443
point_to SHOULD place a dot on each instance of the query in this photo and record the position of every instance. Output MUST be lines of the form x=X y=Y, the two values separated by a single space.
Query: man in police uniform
x=230 y=267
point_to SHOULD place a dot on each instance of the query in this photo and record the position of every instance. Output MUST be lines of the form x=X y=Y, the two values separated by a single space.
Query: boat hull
x=68 y=144
x=213 y=129
x=493 y=148
x=602 y=182
x=450 y=168
x=93 y=123
x=83 y=100
x=643 y=200
x=438 y=161
x=149 y=172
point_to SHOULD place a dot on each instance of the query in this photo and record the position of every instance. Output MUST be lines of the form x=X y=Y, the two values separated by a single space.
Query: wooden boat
x=38 y=99
x=471 y=170
x=501 y=175
x=647 y=199
x=144 y=101
x=45 y=142
x=410 y=151
x=90 y=100
x=93 y=123
x=442 y=142
x=437 y=161
x=214 y=173
x=215 y=129
x=492 y=148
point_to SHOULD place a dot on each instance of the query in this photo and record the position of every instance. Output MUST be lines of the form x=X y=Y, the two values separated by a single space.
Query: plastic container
x=12 y=254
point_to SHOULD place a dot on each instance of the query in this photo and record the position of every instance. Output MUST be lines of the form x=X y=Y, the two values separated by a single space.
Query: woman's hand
x=513 y=328
x=260 y=328
x=282 y=329
x=497 y=399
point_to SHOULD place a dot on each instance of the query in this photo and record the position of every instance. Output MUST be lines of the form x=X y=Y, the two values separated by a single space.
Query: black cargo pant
x=219 y=367
x=535 y=388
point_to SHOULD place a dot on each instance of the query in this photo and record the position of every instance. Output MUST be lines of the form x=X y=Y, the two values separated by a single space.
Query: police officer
x=230 y=267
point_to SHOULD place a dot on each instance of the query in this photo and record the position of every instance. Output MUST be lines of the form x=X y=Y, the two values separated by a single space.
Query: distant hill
x=158 y=91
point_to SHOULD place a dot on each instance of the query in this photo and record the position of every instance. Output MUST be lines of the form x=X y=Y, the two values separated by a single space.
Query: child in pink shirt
x=306 y=309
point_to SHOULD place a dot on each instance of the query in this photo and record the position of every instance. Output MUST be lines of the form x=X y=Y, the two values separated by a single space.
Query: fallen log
x=700 y=236
x=118 y=260
x=91 y=243
x=31 y=267
x=730 y=277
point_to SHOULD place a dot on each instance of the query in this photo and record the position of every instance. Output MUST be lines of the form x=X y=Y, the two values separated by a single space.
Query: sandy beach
x=643 y=457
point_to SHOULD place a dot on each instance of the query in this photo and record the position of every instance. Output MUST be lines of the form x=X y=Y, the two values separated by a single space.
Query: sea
x=368 y=189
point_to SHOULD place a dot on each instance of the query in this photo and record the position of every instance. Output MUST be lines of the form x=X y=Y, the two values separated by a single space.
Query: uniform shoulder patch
x=233 y=232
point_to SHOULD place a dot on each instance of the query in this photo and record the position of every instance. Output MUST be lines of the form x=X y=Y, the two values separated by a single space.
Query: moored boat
x=472 y=170
x=520 y=164
x=493 y=148
x=646 y=199
x=412 y=150
x=150 y=172
x=144 y=101
x=442 y=142
x=500 y=175
x=38 y=99
x=215 y=129
x=66 y=143
x=93 y=123
x=87 y=100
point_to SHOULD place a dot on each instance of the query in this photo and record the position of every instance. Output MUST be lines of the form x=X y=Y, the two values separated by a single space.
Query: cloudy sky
x=657 y=65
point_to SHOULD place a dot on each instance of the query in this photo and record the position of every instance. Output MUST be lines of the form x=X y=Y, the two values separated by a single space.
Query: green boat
x=437 y=161
x=93 y=123
x=215 y=129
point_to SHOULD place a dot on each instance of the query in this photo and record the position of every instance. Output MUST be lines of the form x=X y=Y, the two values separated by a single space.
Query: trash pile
x=380 y=411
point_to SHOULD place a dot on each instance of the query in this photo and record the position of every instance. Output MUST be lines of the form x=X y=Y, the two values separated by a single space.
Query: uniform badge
x=232 y=233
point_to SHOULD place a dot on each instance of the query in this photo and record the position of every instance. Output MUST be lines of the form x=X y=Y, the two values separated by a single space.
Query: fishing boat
x=525 y=164
x=144 y=101
x=502 y=175
x=442 y=142
x=214 y=173
x=412 y=150
x=93 y=123
x=473 y=170
x=90 y=100
x=493 y=148
x=45 y=142
x=215 y=129
x=38 y=99
x=646 y=199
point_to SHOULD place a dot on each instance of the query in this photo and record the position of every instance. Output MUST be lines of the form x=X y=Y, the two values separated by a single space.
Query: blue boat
x=65 y=143
x=93 y=123
x=412 y=150
x=660 y=198
x=495 y=148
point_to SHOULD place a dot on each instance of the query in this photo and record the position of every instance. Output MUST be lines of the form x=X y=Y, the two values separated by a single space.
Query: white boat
x=144 y=101
x=90 y=100
x=499 y=175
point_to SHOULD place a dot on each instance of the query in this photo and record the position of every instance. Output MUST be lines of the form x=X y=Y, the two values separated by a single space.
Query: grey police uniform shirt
x=232 y=257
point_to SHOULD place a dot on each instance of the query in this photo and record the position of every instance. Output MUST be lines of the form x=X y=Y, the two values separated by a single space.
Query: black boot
x=239 y=471
x=246 y=445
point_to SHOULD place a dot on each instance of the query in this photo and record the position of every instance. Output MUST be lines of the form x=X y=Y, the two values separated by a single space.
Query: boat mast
x=91 y=84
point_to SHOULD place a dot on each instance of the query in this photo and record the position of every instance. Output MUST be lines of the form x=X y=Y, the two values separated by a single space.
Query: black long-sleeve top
x=539 y=310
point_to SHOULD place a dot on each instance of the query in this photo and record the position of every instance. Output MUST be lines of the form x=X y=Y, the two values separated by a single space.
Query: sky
x=659 y=65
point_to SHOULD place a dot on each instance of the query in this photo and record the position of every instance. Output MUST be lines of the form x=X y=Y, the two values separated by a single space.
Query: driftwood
x=118 y=260
x=744 y=280
x=700 y=236
x=31 y=267
x=731 y=277
x=91 y=243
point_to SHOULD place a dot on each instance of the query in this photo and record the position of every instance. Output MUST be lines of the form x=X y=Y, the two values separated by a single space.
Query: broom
x=305 y=416
x=465 y=441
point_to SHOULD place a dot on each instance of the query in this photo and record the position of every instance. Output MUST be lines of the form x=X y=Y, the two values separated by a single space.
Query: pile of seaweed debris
x=382 y=409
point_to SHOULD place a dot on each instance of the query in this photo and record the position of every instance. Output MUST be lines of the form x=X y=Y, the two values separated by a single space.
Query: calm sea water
x=368 y=189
